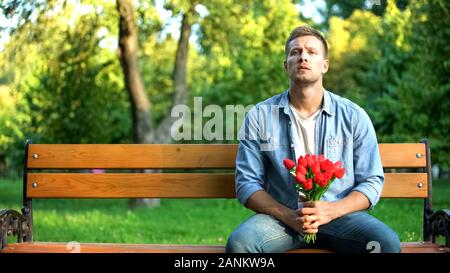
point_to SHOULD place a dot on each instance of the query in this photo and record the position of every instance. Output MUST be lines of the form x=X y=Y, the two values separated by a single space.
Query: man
x=307 y=119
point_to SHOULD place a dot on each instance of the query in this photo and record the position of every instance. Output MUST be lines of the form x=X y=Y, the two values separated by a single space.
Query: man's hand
x=293 y=220
x=262 y=202
x=317 y=213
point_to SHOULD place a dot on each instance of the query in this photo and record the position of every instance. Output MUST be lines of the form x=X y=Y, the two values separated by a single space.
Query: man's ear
x=285 y=66
x=325 y=66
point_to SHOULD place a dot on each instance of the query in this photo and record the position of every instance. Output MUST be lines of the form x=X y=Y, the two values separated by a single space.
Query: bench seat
x=46 y=247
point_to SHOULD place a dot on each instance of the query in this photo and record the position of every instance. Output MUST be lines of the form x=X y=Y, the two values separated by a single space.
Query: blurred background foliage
x=61 y=79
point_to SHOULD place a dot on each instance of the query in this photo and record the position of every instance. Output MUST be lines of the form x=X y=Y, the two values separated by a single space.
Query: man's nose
x=303 y=56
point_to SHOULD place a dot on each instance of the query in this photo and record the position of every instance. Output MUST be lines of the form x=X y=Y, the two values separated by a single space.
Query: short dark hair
x=305 y=31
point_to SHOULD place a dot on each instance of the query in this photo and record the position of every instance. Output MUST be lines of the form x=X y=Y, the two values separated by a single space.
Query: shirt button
x=292 y=145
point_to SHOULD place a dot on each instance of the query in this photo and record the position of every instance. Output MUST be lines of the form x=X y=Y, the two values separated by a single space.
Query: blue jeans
x=355 y=232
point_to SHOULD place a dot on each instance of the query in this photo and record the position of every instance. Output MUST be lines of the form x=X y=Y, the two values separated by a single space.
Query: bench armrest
x=12 y=223
x=440 y=225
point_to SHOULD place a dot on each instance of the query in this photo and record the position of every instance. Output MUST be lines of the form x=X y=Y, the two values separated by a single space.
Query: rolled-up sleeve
x=368 y=169
x=250 y=159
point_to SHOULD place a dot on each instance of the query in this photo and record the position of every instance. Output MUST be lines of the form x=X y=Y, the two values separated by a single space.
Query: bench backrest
x=60 y=182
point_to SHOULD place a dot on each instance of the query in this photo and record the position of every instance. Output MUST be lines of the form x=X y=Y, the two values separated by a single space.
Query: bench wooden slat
x=405 y=185
x=189 y=185
x=423 y=247
x=131 y=156
x=38 y=247
x=131 y=185
x=57 y=247
x=163 y=156
x=403 y=155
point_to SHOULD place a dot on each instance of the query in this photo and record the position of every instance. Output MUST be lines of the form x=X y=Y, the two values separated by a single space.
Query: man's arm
x=262 y=202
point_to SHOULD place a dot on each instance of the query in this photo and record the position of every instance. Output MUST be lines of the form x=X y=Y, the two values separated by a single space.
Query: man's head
x=306 y=56
x=306 y=31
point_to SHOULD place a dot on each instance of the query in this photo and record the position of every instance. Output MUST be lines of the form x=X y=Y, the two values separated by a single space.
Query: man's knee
x=391 y=243
x=238 y=242
x=386 y=242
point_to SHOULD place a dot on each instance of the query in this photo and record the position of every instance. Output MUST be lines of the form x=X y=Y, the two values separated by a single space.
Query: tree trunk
x=140 y=105
x=143 y=131
x=2 y=165
x=128 y=44
x=180 y=95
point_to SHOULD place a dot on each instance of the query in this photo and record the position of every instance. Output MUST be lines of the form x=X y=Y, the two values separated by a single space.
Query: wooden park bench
x=63 y=182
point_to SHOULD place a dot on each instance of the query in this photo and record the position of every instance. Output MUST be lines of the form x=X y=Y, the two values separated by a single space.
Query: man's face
x=306 y=62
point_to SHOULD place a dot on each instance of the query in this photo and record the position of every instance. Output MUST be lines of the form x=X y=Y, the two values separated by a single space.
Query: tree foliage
x=424 y=90
x=67 y=86
x=244 y=44
x=396 y=67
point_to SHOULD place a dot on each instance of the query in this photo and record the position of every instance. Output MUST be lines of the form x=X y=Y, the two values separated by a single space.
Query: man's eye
x=294 y=52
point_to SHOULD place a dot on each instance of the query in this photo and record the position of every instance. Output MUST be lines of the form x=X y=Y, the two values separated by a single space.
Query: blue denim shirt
x=343 y=132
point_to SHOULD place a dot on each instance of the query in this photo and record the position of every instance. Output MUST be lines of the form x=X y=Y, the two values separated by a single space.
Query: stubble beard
x=304 y=80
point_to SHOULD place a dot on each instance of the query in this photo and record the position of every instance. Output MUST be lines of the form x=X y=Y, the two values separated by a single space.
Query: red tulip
x=327 y=175
x=289 y=164
x=315 y=168
x=301 y=169
x=308 y=184
x=337 y=165
x=302 y=162
x=339 y=173
x=310 y=160
x=326 y=166
x=300 y=178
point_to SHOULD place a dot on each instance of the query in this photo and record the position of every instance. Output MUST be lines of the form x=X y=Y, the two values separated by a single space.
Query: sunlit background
x=61 y=80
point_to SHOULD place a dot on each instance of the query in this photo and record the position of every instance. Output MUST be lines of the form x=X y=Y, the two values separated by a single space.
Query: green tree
x=353 y=50
x=385 y=74
x=391 y=67
x=424 y=90
x=10 y=131
x=60 y=75
x=244 y=44
x=345 y=8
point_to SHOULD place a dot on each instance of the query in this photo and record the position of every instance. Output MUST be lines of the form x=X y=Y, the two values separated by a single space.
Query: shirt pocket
x=334 y=148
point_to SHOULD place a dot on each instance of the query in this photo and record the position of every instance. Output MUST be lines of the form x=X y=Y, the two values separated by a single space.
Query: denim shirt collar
x=327 y=102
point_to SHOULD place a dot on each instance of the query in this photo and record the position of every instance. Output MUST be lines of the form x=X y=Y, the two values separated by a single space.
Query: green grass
x=405 y=216
x=187 y=221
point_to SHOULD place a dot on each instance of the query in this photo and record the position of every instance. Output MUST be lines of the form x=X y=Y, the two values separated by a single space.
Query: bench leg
x=440 y=225
x=12 y=223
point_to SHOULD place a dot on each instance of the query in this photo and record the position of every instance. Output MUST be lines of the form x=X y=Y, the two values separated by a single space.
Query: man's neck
x=307 y=100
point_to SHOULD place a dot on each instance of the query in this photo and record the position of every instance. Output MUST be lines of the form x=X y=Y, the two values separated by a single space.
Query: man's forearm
x=355 y=201
x=262 y=202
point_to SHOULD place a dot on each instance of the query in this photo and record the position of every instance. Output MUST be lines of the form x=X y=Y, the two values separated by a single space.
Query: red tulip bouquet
x=314 y=174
